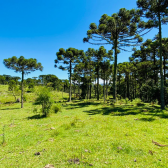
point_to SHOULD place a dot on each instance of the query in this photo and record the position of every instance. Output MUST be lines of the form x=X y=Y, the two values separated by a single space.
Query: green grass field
x=84 y=134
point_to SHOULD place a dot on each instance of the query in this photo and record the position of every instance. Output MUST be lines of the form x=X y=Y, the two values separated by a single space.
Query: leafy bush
x=155 y=102
x=121 y=101
x=138 y=102
x=35 y=110
x=44 y=99
x=24 y=98
x=31 y=87
x=126 y=101
x=13 y=89
x=56 y=108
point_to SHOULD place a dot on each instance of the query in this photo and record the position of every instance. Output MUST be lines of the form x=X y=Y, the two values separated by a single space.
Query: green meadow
x=86 y=133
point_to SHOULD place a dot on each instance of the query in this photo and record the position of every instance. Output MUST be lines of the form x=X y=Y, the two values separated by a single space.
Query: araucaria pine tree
x=23 y=66
x=68 y=57
x=120 y=30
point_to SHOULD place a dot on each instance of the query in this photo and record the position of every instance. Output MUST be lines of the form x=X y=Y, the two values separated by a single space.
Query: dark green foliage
x=157 y=13
x=22 y=65
x=51 y=81
x=31 y=82
x=5 y=79
x=151 y=9
x=2 y=80
x=147 y=69
x=149 y=91
x=84 y=87
x=31 y=87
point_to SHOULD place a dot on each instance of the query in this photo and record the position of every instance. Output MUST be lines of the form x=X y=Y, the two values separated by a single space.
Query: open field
x=84 y=134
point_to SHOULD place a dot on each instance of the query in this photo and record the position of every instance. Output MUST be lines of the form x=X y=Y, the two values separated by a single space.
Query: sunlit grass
x=84 y=134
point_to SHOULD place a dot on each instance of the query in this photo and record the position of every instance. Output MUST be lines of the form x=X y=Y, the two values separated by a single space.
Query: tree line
x=144 y=76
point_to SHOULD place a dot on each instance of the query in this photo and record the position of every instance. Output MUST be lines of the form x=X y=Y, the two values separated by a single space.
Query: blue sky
x=38 y=28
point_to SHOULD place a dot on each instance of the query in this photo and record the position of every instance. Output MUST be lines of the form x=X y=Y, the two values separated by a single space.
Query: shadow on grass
x=163 y=115
x=124 y=110
x=82 y=104
x=37 y=116
x=147 y=119
x=10 y=109
x=10 y=102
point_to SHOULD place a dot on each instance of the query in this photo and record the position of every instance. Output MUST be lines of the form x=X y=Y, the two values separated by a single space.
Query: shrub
x=31 y=87
x=121 y=101
x=24 y=98
x=126 y=101
x=13 y=89
x=138 y=102
x=155 y=102
x=44 y=99
x=56 y=108
x=35 y=110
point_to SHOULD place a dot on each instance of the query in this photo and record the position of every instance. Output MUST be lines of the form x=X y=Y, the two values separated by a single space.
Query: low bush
x=44 y=99
x=56 y=108
x=24 y=98
x=126 y=101
x=138 y=102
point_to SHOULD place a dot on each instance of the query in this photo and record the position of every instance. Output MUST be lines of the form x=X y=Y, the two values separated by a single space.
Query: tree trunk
x=90 y=89
x=161 y=66
x=79 y=89
x=115 y=73
x=87 y=89
x=70 y=82
x=74 y=89
x=104 y=88
x=95 y=88
x=98 y=82
x=119 y=84
x=164 y=65
x=131 y=86
x=128 y=94
x=155 y=78
x=22 y=89
x=90 y=85
x=125 y=88
x=135 y=87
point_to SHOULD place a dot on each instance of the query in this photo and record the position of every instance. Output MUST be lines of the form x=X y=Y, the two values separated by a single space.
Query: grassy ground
x=84 y=134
